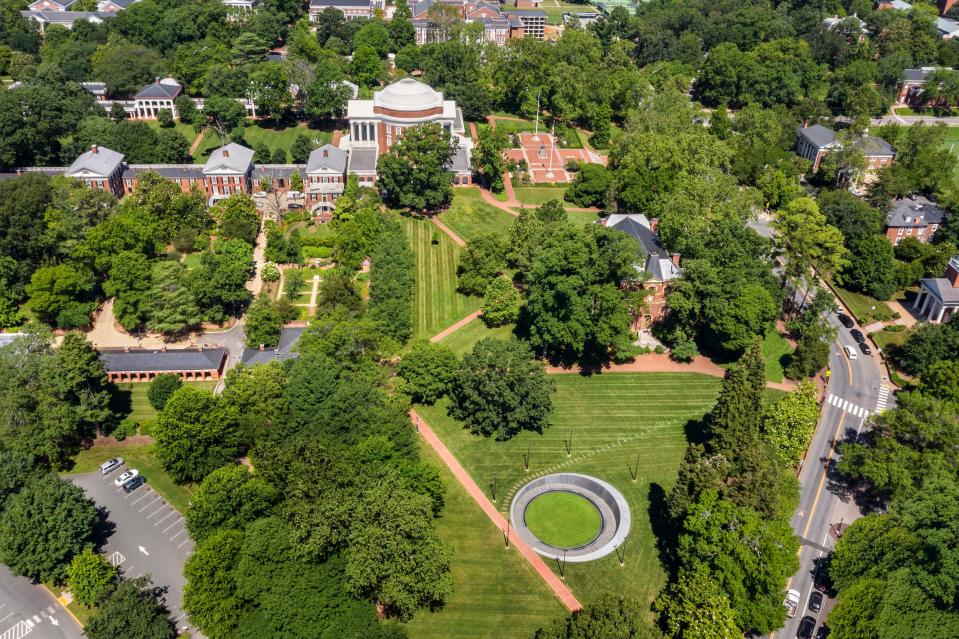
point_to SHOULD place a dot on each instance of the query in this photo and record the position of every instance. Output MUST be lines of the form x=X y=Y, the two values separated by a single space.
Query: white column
x=932 y=310
x=915 y=302
x=925 y=304
x=942 y=310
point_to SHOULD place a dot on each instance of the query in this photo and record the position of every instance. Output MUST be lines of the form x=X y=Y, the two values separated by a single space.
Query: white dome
x=408 y=95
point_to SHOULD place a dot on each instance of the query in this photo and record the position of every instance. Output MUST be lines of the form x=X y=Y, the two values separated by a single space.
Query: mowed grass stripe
x=436 y=303
x=615 y=418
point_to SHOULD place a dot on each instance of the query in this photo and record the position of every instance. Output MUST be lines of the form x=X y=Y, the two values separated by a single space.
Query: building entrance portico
x=938 y=298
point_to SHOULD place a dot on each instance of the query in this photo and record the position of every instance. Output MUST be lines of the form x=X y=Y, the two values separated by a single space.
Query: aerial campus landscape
x=462 y=319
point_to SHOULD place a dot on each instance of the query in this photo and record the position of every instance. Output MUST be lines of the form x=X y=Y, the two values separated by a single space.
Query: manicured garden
x=496 y=594
x=469 y=215
x=563 y=520
x=140 y=457
x=537 y=195
x=611 y=423
x=436 y=304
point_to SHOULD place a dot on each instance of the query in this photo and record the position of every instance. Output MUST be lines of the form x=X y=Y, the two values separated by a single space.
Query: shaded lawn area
x=209 y=142
x=866 y=309
x=496 y=594
x=140 y=457
x=617 y=420
x=579 y=218
x=537 y=195
x=775 y=347
x=462 y=341
x=130 y=401
x=283 y=138
x=469 y=215
x=952 y=144
x=436 y=304
x=186 y=130
x=193 y=260
x=888 y=339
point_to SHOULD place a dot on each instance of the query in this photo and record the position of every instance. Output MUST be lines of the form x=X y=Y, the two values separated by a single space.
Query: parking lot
x=150 y=536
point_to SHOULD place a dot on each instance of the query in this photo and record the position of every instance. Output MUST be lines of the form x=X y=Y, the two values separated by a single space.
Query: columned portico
x=938 y=298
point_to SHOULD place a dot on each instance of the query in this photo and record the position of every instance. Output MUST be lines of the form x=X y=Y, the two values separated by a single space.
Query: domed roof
x=408 y=95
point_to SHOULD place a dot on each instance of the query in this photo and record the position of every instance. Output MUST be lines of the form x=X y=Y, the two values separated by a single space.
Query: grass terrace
x=496 y=594
x=462 y=341
x=283 y=138
x=469 y=215
x=616 y=421
x=537 y=195
x=436 y=304
x=866 y=309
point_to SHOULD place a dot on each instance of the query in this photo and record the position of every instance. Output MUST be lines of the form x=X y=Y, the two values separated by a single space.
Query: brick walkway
x=455 y=327
x=562 y=592
x=453 y=236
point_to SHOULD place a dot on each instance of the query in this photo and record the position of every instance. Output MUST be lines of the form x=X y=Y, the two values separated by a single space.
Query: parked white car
x=110 y=465
x=850 y=352
x=130 y=474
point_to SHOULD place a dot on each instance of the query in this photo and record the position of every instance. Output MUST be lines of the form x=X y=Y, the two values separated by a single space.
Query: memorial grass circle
x=563 y=519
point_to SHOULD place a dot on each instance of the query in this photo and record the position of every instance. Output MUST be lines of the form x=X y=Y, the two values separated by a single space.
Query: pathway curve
x=453 y=236
x=563 y=593
x=455 y=327
x=197 y=141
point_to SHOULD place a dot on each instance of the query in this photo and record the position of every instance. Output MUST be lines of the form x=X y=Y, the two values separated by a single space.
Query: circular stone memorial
x=567 y=514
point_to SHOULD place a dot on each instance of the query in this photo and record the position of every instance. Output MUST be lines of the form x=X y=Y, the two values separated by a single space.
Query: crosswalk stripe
x=845 y=404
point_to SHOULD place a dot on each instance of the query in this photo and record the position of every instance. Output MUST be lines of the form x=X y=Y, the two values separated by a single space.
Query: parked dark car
x=823 y=632
x=815 y=601
x=845 y=320
x=821 y=580
x=806 y=627
x=133 y=484
x=857 y=335
x=864 y=347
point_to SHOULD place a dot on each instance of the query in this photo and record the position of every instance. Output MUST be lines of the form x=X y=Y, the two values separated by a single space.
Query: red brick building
x=913 y=217
x=191 y=364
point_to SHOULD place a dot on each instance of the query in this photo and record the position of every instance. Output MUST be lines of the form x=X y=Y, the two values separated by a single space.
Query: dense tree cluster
x=734 y=548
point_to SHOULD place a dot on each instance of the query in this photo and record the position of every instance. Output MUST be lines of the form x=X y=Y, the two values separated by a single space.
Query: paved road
x=856 y=390
x=28 y=610
x=149 y=538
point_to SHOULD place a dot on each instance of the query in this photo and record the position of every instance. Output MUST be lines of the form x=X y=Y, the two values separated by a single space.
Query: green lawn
x=563 y=520
x=496 y=594
x=186 y=130
x=886 y=339
x=775 y=347
x=952 y=143
x=865 y=308
x=130 y=401
x=142 y=458
x=536 y=195
x=193 y=260
x=579 y=218
x=283 y=138
x=436 y=304
x=616 y=420
x=462 y=341
x=209 y=142
x=469 y=215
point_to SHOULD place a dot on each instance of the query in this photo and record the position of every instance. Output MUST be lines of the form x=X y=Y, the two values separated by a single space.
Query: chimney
x=654 y=225
x=226 y=153
x=156 y=79
x=262 y=347
x=952 y=272
x=675 y=258
x=326 y=153
x=93 y=149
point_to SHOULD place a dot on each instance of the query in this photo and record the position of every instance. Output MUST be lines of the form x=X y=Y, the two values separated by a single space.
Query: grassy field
x=283 y=138
x=537 y=195
x=436 y=304
x=580 y=218
x=462 y=340
x=563 y=519
x=952 y=143
x=496 y=594
x=142 y=458
x=617 y=421
x=775 y=347
x=469 y=215
x=865 y=308
x=186 y=130
x=209 y=142
x=886 y=339
x=130 y=401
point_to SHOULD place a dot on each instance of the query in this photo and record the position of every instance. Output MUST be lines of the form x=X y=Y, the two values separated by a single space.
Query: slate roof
x=941 y=288
x=123 y=4
x=918 y=75
x=872 y=146
x=327 y=158
x=283 y=351
x=946 y=26
x=103 y=162
x=171 y=171
x=187 y=359
x=659 y=262
x=96 y=88
x=818 y=135
x=165 y=89
x=461 y=160
x=65 y=4
x=65 y=17
x=233 y=157
x=283 y=171
x=919 y=212
x=338 y=3
x=362 y=160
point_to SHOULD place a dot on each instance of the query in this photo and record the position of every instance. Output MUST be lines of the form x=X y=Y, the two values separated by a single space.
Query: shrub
x=502 y=303
x=162 y=388
x=270 y=273
x=684 y=351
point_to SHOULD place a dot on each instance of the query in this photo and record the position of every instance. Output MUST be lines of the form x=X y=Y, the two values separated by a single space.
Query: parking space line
x=184 y=543
x=10 y=614
x=148 y=493
x=150 y=504
x=158 y=510
x=159 y=521
x=178 y=534
x=173 y=524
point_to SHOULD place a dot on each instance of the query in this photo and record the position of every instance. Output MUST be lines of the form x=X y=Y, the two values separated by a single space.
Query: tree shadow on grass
x=662 y=525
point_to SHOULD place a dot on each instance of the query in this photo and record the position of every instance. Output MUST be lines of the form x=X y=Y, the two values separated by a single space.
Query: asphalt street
x=149 y=537
x=29 y=610
x=856 y=390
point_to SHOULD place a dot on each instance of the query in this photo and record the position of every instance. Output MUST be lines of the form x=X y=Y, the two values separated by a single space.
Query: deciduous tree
x=90 y=577
x=429 y=370
x=229 y=498
x=133 y=609
x=162 y=388
x=415 y=171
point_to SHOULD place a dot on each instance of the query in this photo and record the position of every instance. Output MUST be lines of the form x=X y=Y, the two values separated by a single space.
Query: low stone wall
x=612 y=506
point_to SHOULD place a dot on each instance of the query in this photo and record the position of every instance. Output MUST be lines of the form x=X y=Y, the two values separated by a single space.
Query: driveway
x=149 y=536
x=29 y=610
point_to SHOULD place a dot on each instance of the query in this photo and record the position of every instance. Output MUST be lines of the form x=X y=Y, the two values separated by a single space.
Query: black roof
x=647 y=238
x=283 y=351
x=141 y=361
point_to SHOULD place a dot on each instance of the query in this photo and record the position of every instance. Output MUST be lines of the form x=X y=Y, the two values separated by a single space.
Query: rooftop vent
x=226 y=153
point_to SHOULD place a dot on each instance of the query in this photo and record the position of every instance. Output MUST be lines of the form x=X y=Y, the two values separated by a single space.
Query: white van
x=850 y=353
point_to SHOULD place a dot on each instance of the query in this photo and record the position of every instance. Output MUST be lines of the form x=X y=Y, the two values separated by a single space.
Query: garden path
x=453 y=236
